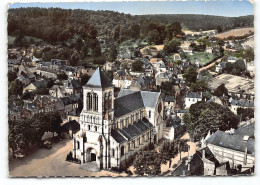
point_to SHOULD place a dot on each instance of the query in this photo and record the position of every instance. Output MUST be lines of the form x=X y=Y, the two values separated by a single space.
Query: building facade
x=113 y=130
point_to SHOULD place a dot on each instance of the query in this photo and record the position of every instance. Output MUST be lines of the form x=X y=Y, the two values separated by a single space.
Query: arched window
x=122 y=151
x=88 y=127
x=89 y=101
x=149 y=114
x=95 y=96
x=95 y=128
x=94 y=120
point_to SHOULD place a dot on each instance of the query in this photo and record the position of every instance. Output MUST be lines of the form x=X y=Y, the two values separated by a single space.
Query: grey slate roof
x=126 y=104
x=242 y=103
x=169 y=98
x=193 y=95
x=234 y=142
x=248 y=130
x=98 y=79
x=149 y=98
x=133 y=130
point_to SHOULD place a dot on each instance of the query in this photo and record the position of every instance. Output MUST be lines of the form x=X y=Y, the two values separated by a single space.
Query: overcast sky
x=223 y=8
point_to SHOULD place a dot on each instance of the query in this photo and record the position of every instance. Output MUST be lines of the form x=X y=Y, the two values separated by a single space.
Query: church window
x=89 y=101
x=95 y=102
x=149 y=114
x=88 y=127
x=95 y=128
x=94 y=120
x=105 y=102
x=122 y=151
x=139 y=142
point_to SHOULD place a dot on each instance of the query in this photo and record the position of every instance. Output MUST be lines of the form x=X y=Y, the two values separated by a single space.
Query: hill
x=204 y=22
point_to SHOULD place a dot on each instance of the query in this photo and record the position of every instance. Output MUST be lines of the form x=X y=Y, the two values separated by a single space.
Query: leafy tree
x=199 y=86
x=172 y=46
x=109 y=75
x=182 y=147
x=166 y=87
x=168 y=151
x=55 y=122
x=15 y=88
x=17 y=135
x=220 y=91
x=190 y=75
x=204 y=116
x=147 y=163
x=137 y=66
x=112 y=54
x=62 y=76
x=84 y=79
x=11 y=76
x=245 y=113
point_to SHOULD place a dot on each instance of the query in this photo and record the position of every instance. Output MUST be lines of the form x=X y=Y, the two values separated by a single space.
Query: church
x=113 y=129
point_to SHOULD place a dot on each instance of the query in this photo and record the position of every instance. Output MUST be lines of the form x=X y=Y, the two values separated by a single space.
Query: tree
x=166 y=87
x=172 y=46
x=55 y=121
x=11 y=76
x=15 y=88
x=62 y=76
x=182 y=147
x=137 y=66
x=204 y=117
x=84 y=79
x=109 y=75
x=220 y=91
x=190 y=75
x=112 y=54
x=199 y=86
x=147 y=163
x=245 y=113
x=168 y=151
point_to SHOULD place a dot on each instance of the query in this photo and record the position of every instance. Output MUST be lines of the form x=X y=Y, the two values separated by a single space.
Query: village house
x=58 y=63
x=231 y=59
x=235 y=146
x=192 y=98
x=46 y=72
x=176 y=56
x=142 y=83
x=110 y=66
x=112 y=130
x=122 y=78
x=56 y=91
x=241 y=103
x=169 y=102
x=72 y=86
x=37 y=84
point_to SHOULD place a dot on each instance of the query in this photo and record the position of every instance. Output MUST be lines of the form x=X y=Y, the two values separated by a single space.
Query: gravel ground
x=51 y=163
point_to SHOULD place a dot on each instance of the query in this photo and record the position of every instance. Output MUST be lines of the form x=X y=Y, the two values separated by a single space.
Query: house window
x=122 y=151
x=149 y=114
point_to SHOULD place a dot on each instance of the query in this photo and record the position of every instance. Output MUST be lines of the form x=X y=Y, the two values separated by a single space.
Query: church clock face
x=160 y=107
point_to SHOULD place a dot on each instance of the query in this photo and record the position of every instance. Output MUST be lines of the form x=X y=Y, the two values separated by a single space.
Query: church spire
x=99 y=80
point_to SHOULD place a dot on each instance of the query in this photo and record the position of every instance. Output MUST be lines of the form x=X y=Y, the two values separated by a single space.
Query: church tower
x=96 y=121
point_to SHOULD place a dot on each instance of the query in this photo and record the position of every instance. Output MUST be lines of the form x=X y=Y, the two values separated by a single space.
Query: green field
x=204 y=58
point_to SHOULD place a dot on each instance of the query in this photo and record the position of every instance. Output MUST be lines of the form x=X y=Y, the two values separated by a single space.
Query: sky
x=221 y=7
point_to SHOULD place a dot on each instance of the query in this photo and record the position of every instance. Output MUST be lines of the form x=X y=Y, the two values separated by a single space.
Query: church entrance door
x=92 y=157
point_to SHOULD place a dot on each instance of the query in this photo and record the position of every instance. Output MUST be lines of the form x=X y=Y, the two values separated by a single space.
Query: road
x=210 y=65
x=49 y=163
